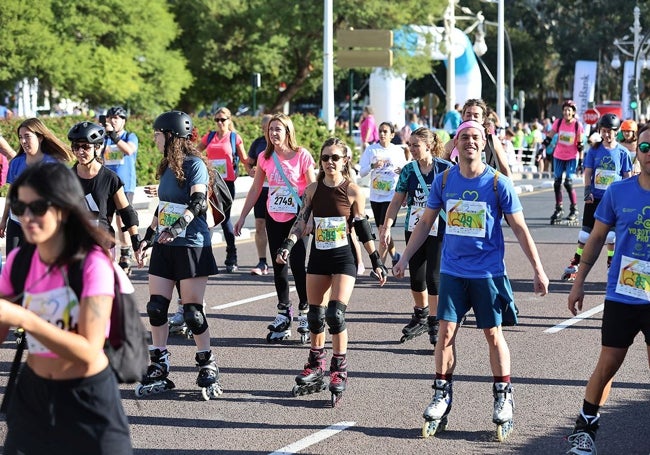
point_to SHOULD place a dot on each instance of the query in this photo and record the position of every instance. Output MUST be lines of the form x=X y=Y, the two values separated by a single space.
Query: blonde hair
x=289 y=128
x=225 y=111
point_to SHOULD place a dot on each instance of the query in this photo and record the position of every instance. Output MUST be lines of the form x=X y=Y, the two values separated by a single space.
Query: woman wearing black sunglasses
x=66 y=397
x=37 y=143
x=335 y=204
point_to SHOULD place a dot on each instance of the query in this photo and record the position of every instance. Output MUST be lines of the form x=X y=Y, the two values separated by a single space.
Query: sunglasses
x=644 y=147
x=38 y=208
x=326 y=158
x=84 y=147
x=220 y=120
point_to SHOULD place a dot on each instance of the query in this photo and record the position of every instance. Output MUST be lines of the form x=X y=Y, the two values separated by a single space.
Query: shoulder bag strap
x=293 y=191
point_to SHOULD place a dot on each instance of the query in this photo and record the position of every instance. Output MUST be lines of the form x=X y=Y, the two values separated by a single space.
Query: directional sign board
x=364 y=48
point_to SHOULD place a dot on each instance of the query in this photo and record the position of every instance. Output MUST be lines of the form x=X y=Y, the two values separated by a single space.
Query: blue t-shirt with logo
x=473 y=246
x=608 y=166
x=126 y=169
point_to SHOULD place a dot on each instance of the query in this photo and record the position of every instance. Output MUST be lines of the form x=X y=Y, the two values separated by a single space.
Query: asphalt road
x=389 y=382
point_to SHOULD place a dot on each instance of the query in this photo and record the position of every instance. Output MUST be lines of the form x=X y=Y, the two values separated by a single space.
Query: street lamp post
x=640 y=47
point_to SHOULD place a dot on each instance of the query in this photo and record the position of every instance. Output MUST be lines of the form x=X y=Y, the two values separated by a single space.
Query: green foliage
x=310 y=131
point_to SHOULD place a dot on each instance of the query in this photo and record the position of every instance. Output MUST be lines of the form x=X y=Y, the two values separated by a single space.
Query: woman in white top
x=383 y=161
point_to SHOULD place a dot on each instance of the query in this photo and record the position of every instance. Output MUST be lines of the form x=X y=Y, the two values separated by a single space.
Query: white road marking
x=248 y=300
x=575 y=320
x=313 y=439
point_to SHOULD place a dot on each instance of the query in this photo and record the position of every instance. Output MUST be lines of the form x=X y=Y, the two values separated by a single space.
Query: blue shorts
x=565 y=166
x=488 y=297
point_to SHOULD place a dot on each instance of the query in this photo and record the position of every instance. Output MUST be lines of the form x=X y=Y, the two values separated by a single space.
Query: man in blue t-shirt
x=472 y=197
x=120 y=155
x=625 y=207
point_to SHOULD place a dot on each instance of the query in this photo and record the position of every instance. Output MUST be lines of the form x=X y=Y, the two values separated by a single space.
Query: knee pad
x=157 y=309
x=316 y=319
x=194 y=317
x=568 y=184
x=611 y=238
x=583 y=236
x=335 y=316
x=557 y=183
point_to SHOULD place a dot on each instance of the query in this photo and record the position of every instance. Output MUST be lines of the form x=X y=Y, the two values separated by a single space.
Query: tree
x=282 y=40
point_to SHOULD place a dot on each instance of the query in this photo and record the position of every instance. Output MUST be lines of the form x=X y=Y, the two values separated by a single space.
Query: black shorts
x=622 y=322
x=379 y=210
x=588 y=219
x=259 y=210
x=75 y=416
x=337 y=261
x=178 y=263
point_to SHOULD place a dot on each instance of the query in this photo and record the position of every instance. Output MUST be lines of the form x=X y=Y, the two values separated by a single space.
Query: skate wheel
x=504 y=430
x=336 y=397
x=205 y=394
x=296 y=391
x=429 y=428
x=304 y=338
x=403 y=339
x=268 y=338
x=139 y=391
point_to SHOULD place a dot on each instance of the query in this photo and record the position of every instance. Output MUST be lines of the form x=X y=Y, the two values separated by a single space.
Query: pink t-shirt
x=220 y=154
x=368 y=128
x=568 y=137
x=47 y=295
x=296 y=168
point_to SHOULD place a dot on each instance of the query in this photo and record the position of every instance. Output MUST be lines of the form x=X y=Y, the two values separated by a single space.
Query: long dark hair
x=58 y=184
x=176 y=149
x=338 y=143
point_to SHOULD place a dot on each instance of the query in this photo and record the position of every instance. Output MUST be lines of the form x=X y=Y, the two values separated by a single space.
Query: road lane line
x=575 y=320
x=248 y=300
x=313 y=439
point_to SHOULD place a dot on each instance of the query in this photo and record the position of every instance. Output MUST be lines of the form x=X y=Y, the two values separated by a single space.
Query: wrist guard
x=580 y=146
x=376 y=262
x=114 y=137
x=285 y=248
x=148 y=238
x=135 y=241
x=179 y=226
x=546 y=142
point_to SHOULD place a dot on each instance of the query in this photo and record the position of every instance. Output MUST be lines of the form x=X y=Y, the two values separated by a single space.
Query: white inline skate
x=504 y=406
x=435 y=415
x=279 y=329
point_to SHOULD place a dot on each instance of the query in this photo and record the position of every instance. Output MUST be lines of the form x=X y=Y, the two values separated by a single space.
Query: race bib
x=414 y=218
x=168 y=213
x=281 y=200
x=113 y=156
x=59 y=307
x=330 y=232
x=220 y=167
x=466 y=218
x=382 y=183
x=634 y=278
x=603 y=178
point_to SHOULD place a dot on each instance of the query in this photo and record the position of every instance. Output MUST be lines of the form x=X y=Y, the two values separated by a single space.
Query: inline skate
x=556 y=218
x=504 y=405
x=338 y=377
x=303 y=326
x=231 y=259
x=435 y=415
x=311 y=380
x=417 y=326
x=208 y=378
x=572 y=217
x=571 y=271
x=434 y=326
x=126 y=261
x=177 y=325
x=583 y=438
x=155 y=379
x=280 y=327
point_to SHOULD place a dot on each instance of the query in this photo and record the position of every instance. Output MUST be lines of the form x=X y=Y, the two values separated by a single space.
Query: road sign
x=381 y=39
x=591 y=116
x=362 y=58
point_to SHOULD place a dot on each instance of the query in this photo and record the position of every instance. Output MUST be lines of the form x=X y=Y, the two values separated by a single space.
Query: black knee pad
x=157 y=309
x=335 y=316
x=557 y=184
x=568 y=184
x=194 y=317
x=316 y=319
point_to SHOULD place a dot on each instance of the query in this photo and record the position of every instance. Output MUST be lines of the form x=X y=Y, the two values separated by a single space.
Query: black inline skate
x=338 y=377
x=126 y=260
x=155 y=379
x=556 y=218
x=435 y=415
x=504 y=405
x=208 y=378
x=311 y=380
x=572 y=218
x=583 y=438
x=417 y=326
x=231 y=259
x=434 y=326
x=303 y=326
x=280 y=327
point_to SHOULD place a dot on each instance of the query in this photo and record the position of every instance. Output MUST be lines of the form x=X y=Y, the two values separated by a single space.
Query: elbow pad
x=129 y=217
x=363 y=230
x=198 y=204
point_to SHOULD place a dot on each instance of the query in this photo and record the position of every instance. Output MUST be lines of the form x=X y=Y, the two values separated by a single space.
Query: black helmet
x=610 y=121
x=86 y=132
x=116 y=111
x=177 y=123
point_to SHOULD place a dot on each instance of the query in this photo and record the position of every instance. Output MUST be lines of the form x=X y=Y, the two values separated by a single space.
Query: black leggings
x=276 y=233
x=424 y=265
x=226 y=224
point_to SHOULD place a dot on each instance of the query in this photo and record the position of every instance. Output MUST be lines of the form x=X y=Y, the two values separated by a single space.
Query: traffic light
x=634 y=104
x=634 y=94
x=514 y=105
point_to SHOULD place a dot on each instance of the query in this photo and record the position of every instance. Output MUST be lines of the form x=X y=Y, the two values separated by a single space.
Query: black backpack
x=127 y=343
